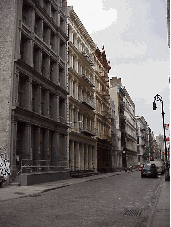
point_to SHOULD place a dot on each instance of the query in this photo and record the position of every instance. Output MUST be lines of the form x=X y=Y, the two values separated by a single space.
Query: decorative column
x=76 y=91
x=46 y=104
x=76 y=124
x=56 y=108
x=46 y=146
x=13 y=148
x=77 y=156
x=82 y=156
x=72 y=86
x=86 y=157
x=90 y=157
x=26 y=148
x=55 y=148
x=71 y=154
x=94 y=158
x=28 y=96
x=36 y=157
x=15 y=88
x=38 y=99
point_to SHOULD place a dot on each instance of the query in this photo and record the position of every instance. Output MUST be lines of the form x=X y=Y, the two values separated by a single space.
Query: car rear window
x=147 y=166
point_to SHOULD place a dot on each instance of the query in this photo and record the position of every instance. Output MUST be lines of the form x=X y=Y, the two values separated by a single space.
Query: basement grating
x=133 y=213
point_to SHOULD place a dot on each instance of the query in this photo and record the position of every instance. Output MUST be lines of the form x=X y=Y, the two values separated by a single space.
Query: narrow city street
x=122 y=200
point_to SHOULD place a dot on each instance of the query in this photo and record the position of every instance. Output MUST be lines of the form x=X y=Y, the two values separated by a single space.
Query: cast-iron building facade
x=81 y=82
x=34 y=90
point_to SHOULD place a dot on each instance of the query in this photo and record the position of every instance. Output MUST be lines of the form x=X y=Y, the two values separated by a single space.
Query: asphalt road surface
x=119 y=201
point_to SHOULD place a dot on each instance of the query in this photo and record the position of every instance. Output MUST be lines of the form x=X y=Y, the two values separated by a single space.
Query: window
x=25 y=13
x=62 y=24
x=52 y=38
x=137 y=140
x=37 y=26
x=46 y=33
x=44 y=64
x=36 y=53
x=62 y=49
x=23 y=47
x=53 y=13
x=52 y=69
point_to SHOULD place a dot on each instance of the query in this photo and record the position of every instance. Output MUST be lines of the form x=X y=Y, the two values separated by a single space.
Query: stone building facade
x=160 y=141
x=103 y=117
x=115 y=96
x=142 y=139
x=33 y=124
x=127 y=123
x=81 y=82
x=89 y=104
x=114 y=144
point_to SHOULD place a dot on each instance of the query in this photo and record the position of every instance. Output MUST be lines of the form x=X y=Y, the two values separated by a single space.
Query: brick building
x=33 y=82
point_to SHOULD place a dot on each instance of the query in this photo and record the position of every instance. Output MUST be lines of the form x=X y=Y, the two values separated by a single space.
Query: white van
x=160 y=166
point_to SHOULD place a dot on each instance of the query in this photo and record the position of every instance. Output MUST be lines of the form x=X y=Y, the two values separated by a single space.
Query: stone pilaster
x=26 y=148
x=46 y=145
x=28 y=96
x=71 y=154
x=13 y=147
x=37 y=145
x=46 y=103
x=82 y=156
x=38 y=99
x=55 y=148
x=77 y=155
x=15 y=88
x=86 y=157
x=90 y=157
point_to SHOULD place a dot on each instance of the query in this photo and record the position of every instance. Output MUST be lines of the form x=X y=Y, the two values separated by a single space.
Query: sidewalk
x=13 y=192
x=161 y=213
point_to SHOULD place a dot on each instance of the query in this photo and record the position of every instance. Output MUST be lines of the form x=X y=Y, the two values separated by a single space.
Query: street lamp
x=159 y=98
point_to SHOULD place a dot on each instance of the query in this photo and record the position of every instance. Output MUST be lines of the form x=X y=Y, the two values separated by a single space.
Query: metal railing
x=33 y=166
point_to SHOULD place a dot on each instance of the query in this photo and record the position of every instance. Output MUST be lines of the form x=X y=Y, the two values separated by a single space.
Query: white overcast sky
x=134 y=34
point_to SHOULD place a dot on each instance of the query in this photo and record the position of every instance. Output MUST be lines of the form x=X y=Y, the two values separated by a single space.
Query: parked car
x=149 y=170
x=160 y=166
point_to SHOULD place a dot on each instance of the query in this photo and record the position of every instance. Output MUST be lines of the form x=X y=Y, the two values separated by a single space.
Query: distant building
x=114 y=146
x=142 y=139
x=126 y=120
x=33 y=83
x=160 y=141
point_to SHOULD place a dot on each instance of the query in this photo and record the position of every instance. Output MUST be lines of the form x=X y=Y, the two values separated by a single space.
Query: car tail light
x=155 y=170
x=142 y=170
